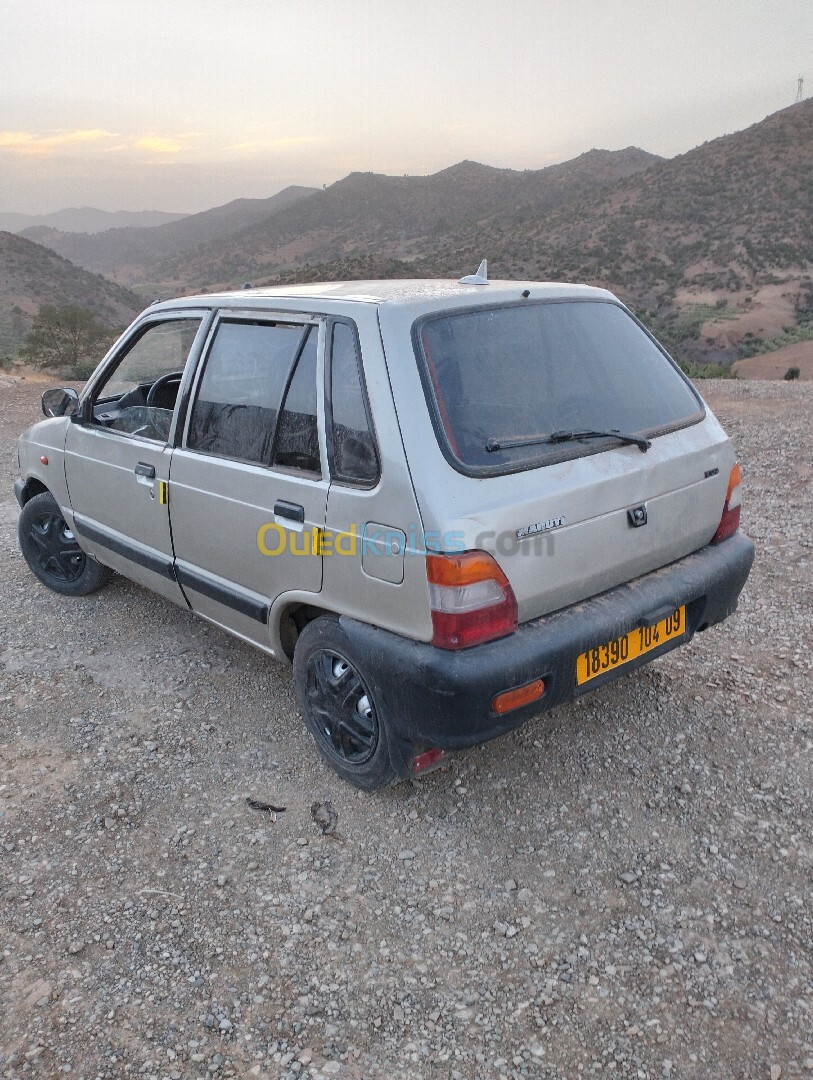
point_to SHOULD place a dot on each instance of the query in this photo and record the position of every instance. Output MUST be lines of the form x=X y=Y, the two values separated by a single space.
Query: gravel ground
x=623 y=886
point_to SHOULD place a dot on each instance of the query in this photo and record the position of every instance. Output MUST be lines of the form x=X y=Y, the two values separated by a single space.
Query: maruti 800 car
x=450 y=505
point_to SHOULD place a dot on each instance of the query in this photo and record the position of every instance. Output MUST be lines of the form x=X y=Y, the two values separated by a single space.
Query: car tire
x=338 y=706
x=52 y=552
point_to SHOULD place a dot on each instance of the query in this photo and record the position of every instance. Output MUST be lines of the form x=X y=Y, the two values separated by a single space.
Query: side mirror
x=61 y=402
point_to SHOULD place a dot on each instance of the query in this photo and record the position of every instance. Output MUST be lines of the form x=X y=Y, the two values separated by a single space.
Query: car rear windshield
x=527 y=371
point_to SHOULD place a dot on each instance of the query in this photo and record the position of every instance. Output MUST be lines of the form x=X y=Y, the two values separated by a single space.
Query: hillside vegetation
x=399 y=217
x=32 y=275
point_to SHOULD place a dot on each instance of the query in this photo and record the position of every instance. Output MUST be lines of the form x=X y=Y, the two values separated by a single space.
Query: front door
x=117 y=454
x=248 y=486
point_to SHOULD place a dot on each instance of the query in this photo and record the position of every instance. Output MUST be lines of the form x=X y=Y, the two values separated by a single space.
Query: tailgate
x=577 y=535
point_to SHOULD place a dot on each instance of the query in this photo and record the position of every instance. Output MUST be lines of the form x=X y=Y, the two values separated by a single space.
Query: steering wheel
x=158 y=386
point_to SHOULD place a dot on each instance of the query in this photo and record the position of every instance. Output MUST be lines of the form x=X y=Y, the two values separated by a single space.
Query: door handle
x=142 y=469
x=289 y=510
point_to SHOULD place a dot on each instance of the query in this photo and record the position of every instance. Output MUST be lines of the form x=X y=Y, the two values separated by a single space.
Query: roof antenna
x=480 y=278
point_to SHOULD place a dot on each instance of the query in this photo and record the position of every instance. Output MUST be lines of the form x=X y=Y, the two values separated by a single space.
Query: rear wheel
x=339 y=707
x=52 y=552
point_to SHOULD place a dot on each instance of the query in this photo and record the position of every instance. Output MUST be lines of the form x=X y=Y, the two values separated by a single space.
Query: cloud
x=26 y=142
x=159 y=144
x=264 y=145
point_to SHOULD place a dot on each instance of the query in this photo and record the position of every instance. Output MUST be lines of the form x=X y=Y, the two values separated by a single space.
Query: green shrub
x=791 y=374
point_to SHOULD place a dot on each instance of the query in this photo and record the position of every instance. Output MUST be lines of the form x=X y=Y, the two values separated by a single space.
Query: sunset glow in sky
x=185 y=104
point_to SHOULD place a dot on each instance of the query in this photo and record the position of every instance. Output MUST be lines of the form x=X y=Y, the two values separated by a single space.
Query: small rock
x=776 y=1072
x=406 y=855
x=510 y=885
x=306 y=1056
x=628 y=877
x=225 y=1024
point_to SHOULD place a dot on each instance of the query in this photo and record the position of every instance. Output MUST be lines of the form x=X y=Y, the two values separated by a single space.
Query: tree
x=64 y=337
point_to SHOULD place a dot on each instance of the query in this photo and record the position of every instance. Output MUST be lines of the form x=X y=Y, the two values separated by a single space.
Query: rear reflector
x=522 y=695
x=471 y=599
x=427 y=758
x=730 y=521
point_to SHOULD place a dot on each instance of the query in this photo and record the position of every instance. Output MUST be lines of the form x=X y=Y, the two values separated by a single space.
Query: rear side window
x=238 y=401
x=525 y=372
x=352 y=450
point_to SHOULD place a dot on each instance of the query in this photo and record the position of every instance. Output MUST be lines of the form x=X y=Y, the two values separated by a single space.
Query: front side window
x=352 y=450
x=245 y=376
x=525 y=373
x=137 y=397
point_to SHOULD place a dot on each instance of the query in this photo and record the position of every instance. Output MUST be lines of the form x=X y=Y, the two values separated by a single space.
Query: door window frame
x=300 y=319
x=87 y=399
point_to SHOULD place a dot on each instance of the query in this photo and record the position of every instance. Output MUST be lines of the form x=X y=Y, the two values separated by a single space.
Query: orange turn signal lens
x=522 y=695
x=734 y=481
x=463 y=569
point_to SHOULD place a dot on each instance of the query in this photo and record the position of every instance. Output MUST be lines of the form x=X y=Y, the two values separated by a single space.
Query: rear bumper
x=436 y=698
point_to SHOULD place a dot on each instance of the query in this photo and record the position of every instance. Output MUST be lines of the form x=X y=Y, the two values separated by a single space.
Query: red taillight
x=730 y=521
x=471 y=599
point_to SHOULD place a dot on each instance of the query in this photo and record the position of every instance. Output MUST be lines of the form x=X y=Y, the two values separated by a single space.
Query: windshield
x=505 y=374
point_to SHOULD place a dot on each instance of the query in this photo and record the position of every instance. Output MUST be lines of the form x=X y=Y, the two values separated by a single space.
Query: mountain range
x=86 y=219
x=124 y=253
x=714 y=247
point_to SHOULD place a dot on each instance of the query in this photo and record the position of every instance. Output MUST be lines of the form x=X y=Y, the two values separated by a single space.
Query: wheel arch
x=31 y=487
x=289 y=616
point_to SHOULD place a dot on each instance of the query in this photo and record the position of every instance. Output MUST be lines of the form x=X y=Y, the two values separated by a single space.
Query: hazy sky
x=184 y=104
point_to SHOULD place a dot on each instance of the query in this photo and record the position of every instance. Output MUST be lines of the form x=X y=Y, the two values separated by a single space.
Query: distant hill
x=123 y=253
x=716 y=243
x=31 y=275
x=86 y=219
x=396 y=216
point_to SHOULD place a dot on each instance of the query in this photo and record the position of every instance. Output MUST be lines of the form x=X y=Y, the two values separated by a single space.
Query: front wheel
x=338 y=705
x=52 y=552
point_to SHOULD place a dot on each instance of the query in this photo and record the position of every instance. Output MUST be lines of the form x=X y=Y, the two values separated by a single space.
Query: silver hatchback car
x=449 y=504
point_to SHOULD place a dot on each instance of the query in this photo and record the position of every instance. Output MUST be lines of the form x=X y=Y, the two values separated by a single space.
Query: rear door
x=248 y=487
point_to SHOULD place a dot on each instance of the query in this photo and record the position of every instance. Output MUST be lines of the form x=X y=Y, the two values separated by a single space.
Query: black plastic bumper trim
x=436 y=698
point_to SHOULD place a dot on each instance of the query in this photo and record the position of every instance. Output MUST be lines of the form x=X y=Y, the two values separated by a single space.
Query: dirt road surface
x=623 y=887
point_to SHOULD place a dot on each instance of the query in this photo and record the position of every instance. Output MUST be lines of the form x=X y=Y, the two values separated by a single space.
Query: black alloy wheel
x=52 y=551
x=341 y=707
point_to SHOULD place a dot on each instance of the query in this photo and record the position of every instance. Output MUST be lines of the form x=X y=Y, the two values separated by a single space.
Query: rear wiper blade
x=568 y=436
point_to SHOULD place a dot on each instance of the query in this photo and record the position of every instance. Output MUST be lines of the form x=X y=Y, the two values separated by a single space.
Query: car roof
x=399 y=292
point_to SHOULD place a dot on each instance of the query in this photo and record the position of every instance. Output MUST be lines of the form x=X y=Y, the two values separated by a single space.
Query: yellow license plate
x=644 y=639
